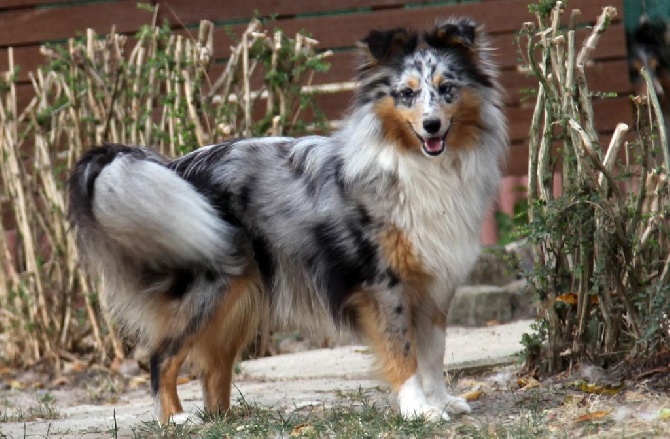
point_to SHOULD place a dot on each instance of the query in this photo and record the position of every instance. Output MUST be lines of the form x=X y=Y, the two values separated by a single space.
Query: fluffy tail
x=127 y=197
x=154 y=239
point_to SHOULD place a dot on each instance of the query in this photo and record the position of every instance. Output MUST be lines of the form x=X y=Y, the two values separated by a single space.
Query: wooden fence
x=337 y=25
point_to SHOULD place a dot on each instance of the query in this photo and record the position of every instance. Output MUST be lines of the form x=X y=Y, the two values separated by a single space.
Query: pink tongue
x=433 y=144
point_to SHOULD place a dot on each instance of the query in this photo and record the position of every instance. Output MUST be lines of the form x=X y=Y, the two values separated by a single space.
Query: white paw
x=451 y=404
x=456 y=405
x=426 y=412
x=413 y=403
x=182 y=418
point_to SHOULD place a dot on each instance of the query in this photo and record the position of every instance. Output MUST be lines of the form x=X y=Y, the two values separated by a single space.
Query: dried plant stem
x=658 y=113
x=592 y=234
x=97 y=90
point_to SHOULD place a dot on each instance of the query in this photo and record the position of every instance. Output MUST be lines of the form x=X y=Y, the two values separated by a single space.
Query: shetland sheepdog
x=371 y=228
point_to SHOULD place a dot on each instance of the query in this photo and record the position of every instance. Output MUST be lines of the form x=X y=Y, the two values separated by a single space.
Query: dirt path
x=327 y=378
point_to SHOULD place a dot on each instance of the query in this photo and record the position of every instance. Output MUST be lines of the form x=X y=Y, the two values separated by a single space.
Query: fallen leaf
x=597 y=389
x=472 y=395
x=528 y=383
x=302 y=429
x=16 y=385
x=592 y=416
x=60 y=381
x=664 y=414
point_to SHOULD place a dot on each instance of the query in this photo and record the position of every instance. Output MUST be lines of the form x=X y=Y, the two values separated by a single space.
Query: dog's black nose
x=431 y=126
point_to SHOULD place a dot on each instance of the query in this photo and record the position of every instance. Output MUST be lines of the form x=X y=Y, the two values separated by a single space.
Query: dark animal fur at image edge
x=371 y=228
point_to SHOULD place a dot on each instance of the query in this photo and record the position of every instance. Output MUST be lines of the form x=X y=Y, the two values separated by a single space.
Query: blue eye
x=445 y=88
x=406 y=93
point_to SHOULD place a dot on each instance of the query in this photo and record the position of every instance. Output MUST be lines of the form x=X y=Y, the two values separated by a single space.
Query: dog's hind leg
x=164 y=372
x=431 y=325
x=386 y=319
x=224 y=337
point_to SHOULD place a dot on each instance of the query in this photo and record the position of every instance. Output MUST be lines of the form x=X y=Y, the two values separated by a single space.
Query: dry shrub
x=99 y=89
x=601 y=235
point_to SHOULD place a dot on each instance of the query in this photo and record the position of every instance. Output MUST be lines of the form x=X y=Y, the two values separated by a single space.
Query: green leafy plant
x=158 y=92
x=600 y=236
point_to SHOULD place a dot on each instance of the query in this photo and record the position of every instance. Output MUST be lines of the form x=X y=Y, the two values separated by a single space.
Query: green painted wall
x=654 y=9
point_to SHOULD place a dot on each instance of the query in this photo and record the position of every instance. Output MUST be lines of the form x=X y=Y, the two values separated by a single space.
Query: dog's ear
x=460 y=33
x=386 y=45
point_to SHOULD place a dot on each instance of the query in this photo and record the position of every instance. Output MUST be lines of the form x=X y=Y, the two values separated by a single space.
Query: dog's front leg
x=431 y=325
x=386 y=319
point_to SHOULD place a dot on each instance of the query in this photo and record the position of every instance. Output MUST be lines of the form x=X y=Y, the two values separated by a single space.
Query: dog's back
x=375 y=226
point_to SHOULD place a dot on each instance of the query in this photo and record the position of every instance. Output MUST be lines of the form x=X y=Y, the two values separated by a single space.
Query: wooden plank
x=27 y=58
x=15 y=4
x=344 y=31
x=608 y=112
x=25 y=26
x=496 y=13
x=192 y=11
x=602 y=77
x=342 y=64
x=607 y=76
x=518 y=156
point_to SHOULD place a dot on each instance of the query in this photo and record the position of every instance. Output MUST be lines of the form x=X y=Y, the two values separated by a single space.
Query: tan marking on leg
x=167 y=388
x=402 y=258
x=393 y=343
x=229 y=331
x=217 y=381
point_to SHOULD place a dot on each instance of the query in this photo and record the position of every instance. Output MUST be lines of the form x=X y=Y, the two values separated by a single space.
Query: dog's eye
x=445 y=88
x=406 y=93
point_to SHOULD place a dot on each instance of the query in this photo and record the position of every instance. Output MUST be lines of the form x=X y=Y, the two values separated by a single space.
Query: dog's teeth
x=433 y=143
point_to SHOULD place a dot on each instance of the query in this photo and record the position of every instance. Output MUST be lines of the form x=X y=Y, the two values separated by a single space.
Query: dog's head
x=427 y=94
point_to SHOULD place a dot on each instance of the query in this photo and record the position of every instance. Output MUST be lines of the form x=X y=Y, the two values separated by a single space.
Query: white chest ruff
x=442 y=214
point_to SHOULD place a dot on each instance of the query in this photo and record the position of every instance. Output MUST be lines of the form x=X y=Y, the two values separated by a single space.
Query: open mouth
x=433 y=146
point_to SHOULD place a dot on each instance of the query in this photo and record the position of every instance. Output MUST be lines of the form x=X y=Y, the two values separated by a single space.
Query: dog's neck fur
x=436 y=201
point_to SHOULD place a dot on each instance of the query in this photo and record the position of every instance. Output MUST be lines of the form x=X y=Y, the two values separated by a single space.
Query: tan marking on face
x=437 y=80
x=395 y=122
x=413 y=83
x=403 y=259
x=465 y=115
x=395 y=353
